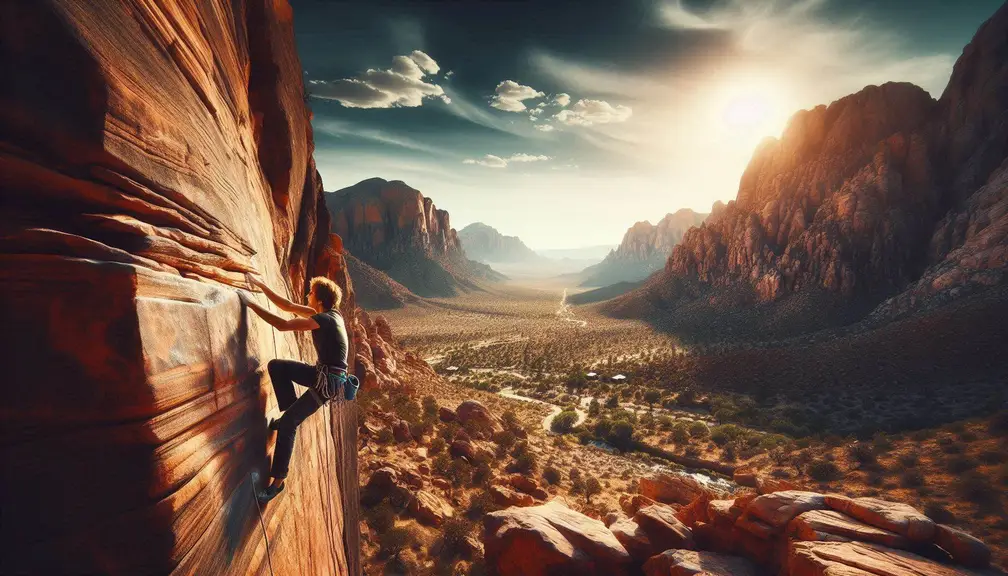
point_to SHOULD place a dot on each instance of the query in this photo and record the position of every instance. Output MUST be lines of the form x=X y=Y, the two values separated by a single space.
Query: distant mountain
x=603 y=293
x=374 y=289
x=590 y=253
x=396 y=230
x=485 y=244
x=644 y=249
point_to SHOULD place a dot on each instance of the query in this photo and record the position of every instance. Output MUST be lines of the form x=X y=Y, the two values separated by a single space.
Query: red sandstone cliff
x=643 y=250
x=150 y=154
x=884 y=194
x=394 y=228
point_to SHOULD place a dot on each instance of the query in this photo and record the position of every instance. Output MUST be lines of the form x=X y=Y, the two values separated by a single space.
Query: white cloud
x=491 y=161
x=544 y=127
x=510 y=95
x=402 y=85
x=562 y=99
x=521 y=157
x=587 y=112
x=449 y=74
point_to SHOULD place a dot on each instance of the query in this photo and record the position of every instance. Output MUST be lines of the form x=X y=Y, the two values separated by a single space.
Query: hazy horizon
x=563 y=124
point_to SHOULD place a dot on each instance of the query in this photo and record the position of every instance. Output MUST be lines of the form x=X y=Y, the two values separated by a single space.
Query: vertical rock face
x=394 y=228
x=644 y=249
x=485 y=244
x=150 y=154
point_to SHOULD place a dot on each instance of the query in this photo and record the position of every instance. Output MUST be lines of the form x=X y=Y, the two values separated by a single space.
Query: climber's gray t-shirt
x=330 y=339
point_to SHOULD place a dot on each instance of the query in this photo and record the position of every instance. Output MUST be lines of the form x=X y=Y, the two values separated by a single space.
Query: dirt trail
x=565 y=313
x=554 y=409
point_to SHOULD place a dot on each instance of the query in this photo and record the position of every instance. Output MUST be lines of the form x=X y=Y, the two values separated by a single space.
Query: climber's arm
x=282 y=324
x=281 y=302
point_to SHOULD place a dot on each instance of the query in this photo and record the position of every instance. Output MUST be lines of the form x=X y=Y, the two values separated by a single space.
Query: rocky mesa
x=143 y=172
x=396 y=230
x=485 y=244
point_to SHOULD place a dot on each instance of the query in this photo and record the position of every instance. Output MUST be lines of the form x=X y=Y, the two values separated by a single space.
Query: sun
x=751 y=106
x=746 y=110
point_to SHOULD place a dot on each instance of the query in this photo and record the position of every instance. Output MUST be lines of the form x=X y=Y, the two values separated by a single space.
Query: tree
x=652 y=396
x=591 y=488
x=613 y=401
x=564 y=422
x=594 y=408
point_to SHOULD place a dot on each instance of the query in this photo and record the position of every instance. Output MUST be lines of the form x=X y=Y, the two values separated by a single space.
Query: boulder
x=745 y=478
x=723 y=512
x=441 y=483
x=473 y=411
x=779 y=508
x=832 y=525
x=631 y=503
x=385 y=482
x=964 y=548
x=861 y=559
x=523 y=483
x=429 y=508
x=893 y=516
x=401 y=431
x=693 y=563
x=504 y=496
x=674 y=488
x=768 y=484
x=550 y=539
x=446 y=414
x=633 y=538
x=664 y=530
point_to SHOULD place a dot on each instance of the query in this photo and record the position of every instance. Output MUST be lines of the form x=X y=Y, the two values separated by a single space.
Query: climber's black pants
x=283 y=374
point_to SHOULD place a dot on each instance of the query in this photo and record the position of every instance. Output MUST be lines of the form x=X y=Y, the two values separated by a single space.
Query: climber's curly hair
x=327 y=292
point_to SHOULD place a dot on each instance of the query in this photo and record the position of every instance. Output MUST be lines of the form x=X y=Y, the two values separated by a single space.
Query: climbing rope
x=262 y=523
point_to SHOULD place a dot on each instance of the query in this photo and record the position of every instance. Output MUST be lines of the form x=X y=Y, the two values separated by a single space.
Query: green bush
x=699 y=430
x=592 y=487
x=665 y=422
x=437 y=445
x=460 y=472
x=564 y=422
x=974 y=487
x=621 y=434
x=551 y=475
x=594 y=408
x=480 y=503
x=510 y=420
x=823 y=471
x=430 y=406
x=526 y=463
x=482 y=474
x=960 y=463
x=612 y=401
x=395 y=540
x=577 y=485
x=381 y=517
x=680 y=433
x=911 y=478
x=453 y=534
x=384 y=436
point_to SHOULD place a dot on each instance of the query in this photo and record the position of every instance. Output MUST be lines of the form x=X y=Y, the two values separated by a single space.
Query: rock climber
x=321 y=316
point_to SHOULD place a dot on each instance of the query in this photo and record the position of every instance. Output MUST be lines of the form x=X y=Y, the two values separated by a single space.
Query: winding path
x=565 y=313
x=554 y=409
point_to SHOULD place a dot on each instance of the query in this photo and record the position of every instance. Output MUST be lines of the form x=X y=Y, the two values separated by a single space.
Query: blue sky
x=565 y=122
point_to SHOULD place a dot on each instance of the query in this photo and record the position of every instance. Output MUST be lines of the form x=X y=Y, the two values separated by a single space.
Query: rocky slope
x=395 y=229
x=150 y=155
x=644 y=249
x=485 y=244
x=884 y=198
x=375 y=289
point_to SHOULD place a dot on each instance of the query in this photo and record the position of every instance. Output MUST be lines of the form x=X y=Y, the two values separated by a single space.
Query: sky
x=564 y=122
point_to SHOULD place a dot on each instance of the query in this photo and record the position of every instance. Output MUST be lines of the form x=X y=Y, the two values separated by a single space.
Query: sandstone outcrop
x=673 y=488
x=472 y=411
x=692 y=563
x=485 y=244
x=644 y=249
x=550 y=539
x=396 y=230
x=150 y=155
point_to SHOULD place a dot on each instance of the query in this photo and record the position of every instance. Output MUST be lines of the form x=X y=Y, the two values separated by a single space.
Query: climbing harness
x=335 y=384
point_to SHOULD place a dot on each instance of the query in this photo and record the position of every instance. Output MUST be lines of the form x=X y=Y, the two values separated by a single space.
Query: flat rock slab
x=964 y=548
x=550 y=539
x=663 y=528
x=893 y=516
x=862 y=559
x=633 y=538
x=779 y=508
x=691 y=562
x=829 y=524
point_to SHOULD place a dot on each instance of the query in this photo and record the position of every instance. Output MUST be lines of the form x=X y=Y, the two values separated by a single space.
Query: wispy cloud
x=588 y=112
x=402 y=85
x=492 y=161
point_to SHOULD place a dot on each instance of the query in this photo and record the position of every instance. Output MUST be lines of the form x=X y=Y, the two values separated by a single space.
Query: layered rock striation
x=150 y=155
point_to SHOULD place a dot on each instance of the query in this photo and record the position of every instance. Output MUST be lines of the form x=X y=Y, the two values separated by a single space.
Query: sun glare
x=751 y=106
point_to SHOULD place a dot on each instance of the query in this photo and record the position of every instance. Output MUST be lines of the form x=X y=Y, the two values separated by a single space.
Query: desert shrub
x=823 y=470
x=692 y=450
x=437 y=445
x=911 y=478
x=960 y=463
x=881 y=443
x=520 y=448
x=551 y=475
x=664 y=422
x=395 y=540
x=384 y=435
x=725 y=433
x=968 y=436
x=453 y=534
x=574 y=474
x=407 y=408
x=863 y=454
x=441 y=463
x=993 y=456
x=939 y=513
x=908 y=459
x=526 y=463
x=998 y=424
x=699 y=430
x=381 y=517
x=594 y=408
x=430 y=406
x=612 y=401
x=564 y=421
x=780 y=455
x=833 y=441
x=584 y=436
x=591 y=488
x=621 y=434
x=577 y=485
x=729 y=452
x=482 y=474
x=480 y=503
x=976 y=488
x=951 y=446
x=510 y=420
x=459 y=472
x=680 y=433
x=448 y=430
